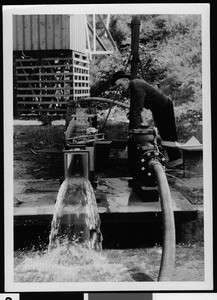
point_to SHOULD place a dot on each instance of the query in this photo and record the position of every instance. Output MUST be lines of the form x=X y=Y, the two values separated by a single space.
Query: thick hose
x=169 y=239
x=169 y=236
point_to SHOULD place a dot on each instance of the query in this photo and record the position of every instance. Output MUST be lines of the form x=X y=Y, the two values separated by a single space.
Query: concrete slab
x=37 y=197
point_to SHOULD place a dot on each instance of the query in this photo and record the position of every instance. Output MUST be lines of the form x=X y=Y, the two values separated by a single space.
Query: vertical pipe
x=135 y=26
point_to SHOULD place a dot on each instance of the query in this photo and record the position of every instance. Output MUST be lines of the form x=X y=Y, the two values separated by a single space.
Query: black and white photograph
x=107 y=147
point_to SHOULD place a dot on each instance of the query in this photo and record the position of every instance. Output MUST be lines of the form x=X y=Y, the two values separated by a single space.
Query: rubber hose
x=169 y=236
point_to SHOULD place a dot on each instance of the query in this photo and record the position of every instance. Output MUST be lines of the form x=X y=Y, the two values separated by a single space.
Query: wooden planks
x=41 y=32
x=49 y=32
x=34 y=32
x=46 y=84
x=81 y=87
x=77 y=33
x=27 y=32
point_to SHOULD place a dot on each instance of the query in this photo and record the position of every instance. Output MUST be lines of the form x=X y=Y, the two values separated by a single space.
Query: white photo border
x=162 y=8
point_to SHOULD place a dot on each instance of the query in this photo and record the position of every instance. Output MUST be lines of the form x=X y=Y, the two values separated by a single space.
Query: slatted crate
x=81 y=76
x=45 y=81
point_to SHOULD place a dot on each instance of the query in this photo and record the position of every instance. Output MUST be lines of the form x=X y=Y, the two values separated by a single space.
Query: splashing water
x=75 y=234
x=69 y=263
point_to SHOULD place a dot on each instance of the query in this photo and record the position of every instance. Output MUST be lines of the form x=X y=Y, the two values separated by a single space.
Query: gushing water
x=75 y=215
x=75 y=234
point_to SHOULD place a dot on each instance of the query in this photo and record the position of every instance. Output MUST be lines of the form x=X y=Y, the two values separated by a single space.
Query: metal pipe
x=135 y=27
x=169 y=240
x=99 y=99
x=106 y=119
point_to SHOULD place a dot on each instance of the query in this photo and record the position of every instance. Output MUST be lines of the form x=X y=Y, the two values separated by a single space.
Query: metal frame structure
x=95 y=43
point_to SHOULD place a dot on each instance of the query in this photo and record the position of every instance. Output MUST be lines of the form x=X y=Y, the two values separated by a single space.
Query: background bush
x=171 y=59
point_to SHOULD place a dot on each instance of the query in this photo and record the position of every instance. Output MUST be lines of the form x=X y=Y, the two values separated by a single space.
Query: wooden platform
x=34 y=201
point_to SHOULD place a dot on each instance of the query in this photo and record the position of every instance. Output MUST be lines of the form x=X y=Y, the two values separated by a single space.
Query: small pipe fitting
x=153 y=162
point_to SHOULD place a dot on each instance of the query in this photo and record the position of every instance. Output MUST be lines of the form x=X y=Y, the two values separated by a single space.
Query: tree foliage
x=170 y=51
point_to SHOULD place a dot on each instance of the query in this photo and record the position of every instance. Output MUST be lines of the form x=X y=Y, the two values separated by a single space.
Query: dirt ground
x=38 y=156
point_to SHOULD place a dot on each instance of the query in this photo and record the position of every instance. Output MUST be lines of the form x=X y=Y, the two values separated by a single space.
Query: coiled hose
x=169 y=239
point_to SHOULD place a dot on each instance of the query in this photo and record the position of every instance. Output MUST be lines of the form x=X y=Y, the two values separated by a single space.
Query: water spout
x=76 y=218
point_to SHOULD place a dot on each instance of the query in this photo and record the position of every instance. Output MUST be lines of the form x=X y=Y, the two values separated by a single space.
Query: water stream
x=75 y=236
x=76 y=218
x=71 y=255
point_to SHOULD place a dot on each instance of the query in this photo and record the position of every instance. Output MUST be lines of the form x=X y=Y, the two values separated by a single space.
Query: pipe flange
x=149 y=157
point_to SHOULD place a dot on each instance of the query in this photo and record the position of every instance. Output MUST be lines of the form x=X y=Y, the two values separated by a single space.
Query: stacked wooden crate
x=46 y=84
x=80 y=76
x=50 y=64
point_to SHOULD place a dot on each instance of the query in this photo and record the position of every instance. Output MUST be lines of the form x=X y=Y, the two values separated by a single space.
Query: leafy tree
x=171 y=59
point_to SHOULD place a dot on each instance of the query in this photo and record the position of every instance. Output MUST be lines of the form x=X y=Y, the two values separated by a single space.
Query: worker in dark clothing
x=144 y=95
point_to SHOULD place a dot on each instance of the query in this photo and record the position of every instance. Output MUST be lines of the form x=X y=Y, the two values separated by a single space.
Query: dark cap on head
x=117 y=75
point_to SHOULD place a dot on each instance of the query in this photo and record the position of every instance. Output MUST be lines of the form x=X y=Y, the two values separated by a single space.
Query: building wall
x=77 y=33
x=49 y=32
